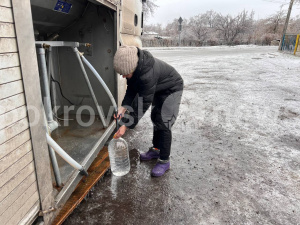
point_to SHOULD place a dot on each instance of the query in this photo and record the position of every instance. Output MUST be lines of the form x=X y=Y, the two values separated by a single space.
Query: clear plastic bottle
x=119 y=157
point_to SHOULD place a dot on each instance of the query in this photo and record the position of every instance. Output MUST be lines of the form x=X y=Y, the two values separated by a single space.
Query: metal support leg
x=101 y=114
x=55 y=167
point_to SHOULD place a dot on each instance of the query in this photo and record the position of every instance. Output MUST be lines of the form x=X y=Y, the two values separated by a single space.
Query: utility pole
x=286 y=23
x=179 y=29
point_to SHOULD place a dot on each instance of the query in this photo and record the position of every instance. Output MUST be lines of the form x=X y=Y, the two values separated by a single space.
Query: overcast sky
x=170 y=9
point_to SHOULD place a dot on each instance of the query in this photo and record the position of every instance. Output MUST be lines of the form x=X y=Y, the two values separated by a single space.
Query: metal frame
x=44 y=44
x=75 y=178
x=52 y=125
x=109 y=4
x=70 y=186
x=101 y=114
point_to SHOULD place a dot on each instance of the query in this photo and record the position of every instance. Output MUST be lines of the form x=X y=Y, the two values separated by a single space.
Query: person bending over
x=149 y=81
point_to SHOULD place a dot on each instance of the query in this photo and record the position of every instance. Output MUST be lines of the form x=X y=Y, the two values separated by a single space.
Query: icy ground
x=236 y=146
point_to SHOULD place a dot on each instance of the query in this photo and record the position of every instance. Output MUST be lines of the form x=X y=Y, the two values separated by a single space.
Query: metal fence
x=290 y=43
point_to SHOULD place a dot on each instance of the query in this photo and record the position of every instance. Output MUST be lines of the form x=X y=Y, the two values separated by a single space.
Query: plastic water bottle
x=119 y=157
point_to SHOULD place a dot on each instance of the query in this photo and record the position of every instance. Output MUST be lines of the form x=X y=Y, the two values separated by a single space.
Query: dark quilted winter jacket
x=152 y=76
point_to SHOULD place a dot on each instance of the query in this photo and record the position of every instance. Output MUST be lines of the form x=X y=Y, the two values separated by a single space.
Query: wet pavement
x=236 y=147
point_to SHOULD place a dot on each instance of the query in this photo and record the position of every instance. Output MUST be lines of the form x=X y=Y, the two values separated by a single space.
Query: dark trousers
x=165 y=108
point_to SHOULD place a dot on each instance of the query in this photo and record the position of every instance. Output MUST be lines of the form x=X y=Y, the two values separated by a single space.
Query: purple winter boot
x=153 y=153
x=160 y=168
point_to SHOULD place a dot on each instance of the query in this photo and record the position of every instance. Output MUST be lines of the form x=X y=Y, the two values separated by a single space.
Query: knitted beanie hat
x=126 y=60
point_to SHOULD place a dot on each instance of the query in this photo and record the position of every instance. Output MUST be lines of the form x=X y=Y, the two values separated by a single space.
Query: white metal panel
x=131 y=40
x=15 y=181
x=11 y=103
x=8 y=45
x=16 y=167
x=31 y=215
x=10 y=89
x=6 y=15
x=16 y=193
x=9 y=60
x=19 y=198
x=19 y=209
x=10 y=74
x=13 y=130
x=5 y=3
x=14 y=158
x=7 y=30
x=30 y=75
x=130 y=8
x=12 y=117
x=14 y=143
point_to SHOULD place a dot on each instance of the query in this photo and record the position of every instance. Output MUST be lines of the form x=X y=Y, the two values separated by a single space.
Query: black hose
x=55 y=81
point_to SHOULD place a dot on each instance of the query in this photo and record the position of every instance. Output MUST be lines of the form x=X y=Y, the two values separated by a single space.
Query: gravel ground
x=236 y=146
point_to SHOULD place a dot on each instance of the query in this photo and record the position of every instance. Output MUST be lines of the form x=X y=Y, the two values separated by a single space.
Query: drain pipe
x=65 y=156
x=49 y=63
x=101 y=114
x=45 y=89
x=101 y=81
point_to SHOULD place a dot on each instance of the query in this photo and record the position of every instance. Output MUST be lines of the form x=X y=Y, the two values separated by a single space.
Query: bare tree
x=154 y=28
x=212 y=28
x=199 y=27
x=211 y=18
x=202 y=26
x=172 y=29
x=148 y=8
x=294 y=25
x=230 y=27
x=275 y=21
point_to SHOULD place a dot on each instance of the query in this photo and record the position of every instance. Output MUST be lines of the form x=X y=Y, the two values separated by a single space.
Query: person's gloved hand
x=121 y=112
x=120 y=132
